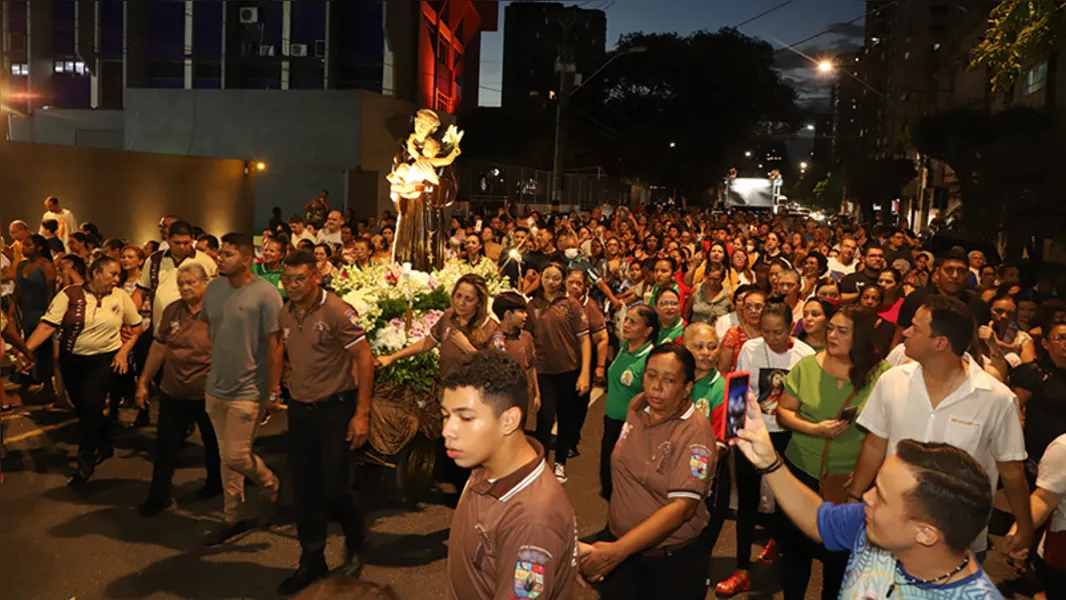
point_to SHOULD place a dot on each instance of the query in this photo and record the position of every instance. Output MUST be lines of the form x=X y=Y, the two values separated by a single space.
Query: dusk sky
x=796 y=21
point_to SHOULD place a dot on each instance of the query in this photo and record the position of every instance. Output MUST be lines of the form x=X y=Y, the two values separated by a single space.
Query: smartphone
x=849 y=414
x=736 y=410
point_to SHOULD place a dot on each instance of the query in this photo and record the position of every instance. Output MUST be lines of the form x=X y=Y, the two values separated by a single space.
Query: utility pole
x=566 y=68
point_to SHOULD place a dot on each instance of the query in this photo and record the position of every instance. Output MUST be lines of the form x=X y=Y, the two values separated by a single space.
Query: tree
x=1006 y=167
x=877 y=181
x=707 y=94
x=829 y=194
x=1019 y=32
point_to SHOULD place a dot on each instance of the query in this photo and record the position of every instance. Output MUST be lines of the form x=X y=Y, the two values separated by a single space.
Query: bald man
x=331 y=232
x=19 y=231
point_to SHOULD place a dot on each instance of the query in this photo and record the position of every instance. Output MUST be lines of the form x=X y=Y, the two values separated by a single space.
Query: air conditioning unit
x=297 y=49
x=266 y=50
x=249 y=15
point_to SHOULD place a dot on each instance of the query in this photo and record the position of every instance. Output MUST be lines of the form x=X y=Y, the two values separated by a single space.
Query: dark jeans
x=681 y=575
x=126 y=384
x=1053 y=579
x=612 y=428
x=749 y=487
x=322 y=474
x=798 y=551
x=89 y=379
x=175 y=416
x=582 y=413
x=558 y=401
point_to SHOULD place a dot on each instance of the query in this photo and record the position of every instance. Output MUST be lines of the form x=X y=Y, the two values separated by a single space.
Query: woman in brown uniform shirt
x=560 y=331
x=662 y=467
x=462 y=330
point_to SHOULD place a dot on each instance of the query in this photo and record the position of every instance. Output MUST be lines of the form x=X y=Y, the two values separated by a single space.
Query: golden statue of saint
x=422 y=184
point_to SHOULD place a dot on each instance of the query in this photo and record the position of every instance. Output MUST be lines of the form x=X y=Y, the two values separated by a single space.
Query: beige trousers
x=235 y=423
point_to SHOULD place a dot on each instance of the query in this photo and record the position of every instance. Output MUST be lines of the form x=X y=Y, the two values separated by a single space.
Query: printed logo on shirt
x=497 y=342
x=114 y=308
x=704 y=407
x=285 y=333
x=352 y=316
x=699 y=462
x=321 y=327
x=529 y=572
x=175 y=327
x=627 y=377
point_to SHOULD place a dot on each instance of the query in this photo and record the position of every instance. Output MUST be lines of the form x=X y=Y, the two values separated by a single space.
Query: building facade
x=296 y=84
x=537 y=35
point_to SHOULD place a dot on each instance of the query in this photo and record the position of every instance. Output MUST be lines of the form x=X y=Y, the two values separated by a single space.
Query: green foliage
x=391 y=309
x=828 y=194
x=416 y=373
x=1019 y=33
x=708 y=92
x=437 y=300
x=1006 y=167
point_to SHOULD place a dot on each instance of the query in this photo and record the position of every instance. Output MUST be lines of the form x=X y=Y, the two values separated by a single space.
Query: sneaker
x=266 y=419
x=738 y=582
x=560 y=472
x=769 y=554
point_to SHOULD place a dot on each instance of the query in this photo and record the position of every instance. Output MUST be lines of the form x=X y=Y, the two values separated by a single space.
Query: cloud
x=849 y=30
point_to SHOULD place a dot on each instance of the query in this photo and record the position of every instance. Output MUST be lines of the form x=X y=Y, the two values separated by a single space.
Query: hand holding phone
x=736 y=397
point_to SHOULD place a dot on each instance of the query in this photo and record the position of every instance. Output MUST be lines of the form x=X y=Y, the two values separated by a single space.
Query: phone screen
x=736 y=404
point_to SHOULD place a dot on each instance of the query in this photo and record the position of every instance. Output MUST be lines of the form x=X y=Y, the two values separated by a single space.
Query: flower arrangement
x=398 y=306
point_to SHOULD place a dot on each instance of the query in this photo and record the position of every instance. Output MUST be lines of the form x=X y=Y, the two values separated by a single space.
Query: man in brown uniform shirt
x=331 y=365
x=512 y=339
x=513 y=534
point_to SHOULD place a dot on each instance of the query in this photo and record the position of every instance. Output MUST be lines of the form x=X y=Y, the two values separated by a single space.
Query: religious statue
x=422 y=184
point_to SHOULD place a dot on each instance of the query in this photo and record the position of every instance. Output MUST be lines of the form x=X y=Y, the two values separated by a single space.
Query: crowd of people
x=892 y=392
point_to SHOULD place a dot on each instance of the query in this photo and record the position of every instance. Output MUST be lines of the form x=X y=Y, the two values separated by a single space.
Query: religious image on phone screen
x=737 y=407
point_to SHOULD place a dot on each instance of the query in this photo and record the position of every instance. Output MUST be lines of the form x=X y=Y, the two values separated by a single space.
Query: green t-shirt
x=708 y=394
x=669 y=334
x=272 y=277
x=625 y=379
x=820 y=399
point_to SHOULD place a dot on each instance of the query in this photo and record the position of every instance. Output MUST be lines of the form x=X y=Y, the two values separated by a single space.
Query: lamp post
x=564 y=67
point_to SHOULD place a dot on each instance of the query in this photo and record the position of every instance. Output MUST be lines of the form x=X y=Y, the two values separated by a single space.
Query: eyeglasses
x=669 y=304
x=295 y=279
x=1059 y=339
x=754 y=307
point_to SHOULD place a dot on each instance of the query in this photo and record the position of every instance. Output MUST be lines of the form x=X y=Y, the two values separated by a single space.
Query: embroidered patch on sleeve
x=699 y=462
x=529 y=572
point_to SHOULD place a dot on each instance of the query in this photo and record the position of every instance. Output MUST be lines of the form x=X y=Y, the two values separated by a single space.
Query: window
x=20 y=69
x=1035 y=79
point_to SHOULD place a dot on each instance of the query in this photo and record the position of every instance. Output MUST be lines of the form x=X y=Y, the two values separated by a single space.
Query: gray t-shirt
x=239 y=320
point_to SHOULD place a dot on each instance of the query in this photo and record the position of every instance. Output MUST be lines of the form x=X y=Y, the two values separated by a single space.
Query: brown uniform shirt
x=519 y=347
x=451 y=355
x=319 y=345
x=653 y=464
x=595 y=316
x=513 y=538
x=187 y=359
x=557 y=327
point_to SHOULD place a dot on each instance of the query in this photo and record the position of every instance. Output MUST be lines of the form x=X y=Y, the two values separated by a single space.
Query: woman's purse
x=834 y=487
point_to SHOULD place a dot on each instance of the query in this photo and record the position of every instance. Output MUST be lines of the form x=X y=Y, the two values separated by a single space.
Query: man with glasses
x=329 y=417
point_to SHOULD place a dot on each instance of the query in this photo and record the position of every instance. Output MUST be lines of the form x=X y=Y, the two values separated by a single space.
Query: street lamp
x=803 y=165
x=826 y=66
x=810 y=127
x=748 y=154
x=564 y=96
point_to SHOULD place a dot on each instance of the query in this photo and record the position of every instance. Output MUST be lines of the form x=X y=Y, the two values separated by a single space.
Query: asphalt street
x=58 y=543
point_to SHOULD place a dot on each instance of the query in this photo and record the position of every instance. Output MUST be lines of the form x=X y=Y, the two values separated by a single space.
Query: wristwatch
x=273 y=397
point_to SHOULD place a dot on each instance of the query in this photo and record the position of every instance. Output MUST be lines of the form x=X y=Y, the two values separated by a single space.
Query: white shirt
x=1052 y=477
x=980 y=417
x=66 y=221
x=762 y=364
x=838 y=270
x=725 y=323
x=325 y=237
x=6 y=289
x=304 y=235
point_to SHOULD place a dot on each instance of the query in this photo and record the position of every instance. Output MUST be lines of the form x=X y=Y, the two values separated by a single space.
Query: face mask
x=571 y=253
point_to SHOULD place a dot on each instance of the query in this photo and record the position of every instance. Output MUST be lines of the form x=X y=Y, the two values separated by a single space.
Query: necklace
x=922 y=583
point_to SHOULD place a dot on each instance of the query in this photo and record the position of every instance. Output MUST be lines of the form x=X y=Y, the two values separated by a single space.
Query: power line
x=763 y=14
x=837 y=26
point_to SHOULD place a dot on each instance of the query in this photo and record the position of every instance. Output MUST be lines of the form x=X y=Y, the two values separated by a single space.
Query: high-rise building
x=848 y=136
x=317 y=90
x=85 y=53
x=536 y=36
